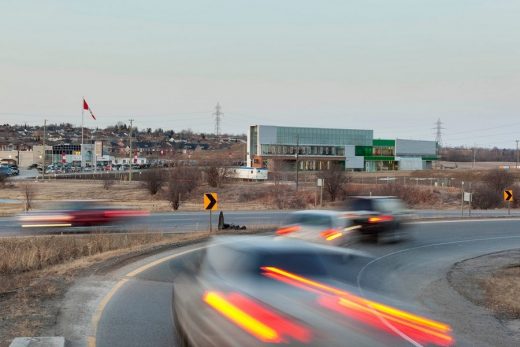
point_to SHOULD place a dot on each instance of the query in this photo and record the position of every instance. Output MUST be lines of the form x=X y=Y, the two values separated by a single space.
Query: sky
x=391 y=66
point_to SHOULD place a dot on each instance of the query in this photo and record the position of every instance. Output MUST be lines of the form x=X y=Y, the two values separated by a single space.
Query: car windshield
x=390 y=205
x=311 y=220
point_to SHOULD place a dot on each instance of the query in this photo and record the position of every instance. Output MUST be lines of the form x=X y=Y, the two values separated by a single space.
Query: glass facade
x=303 y=150
x=253 y=134
x=323 y=136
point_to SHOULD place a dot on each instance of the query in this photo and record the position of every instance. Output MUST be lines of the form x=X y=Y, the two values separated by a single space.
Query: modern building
x=314 y=149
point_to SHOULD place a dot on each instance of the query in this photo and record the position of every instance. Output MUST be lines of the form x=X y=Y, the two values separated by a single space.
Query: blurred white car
x=321 y=226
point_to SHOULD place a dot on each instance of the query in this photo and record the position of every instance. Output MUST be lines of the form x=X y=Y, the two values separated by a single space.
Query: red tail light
x=257 y=320
x=383 y=317
x=331 y=234
x=287 y=230
x=379 y=219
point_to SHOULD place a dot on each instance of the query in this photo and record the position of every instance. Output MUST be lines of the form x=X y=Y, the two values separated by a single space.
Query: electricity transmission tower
x=217 y=115
x=438 y=132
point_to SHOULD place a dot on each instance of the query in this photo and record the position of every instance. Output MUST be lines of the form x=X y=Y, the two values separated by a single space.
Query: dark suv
x=379 y=217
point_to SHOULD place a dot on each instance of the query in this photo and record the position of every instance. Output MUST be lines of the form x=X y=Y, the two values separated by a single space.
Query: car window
x=311 y=220
x=361 y=205
x=302 y=263
x=389 y=205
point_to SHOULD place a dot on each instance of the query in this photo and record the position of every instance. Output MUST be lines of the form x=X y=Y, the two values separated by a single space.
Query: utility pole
x=297 y=157
x=462 y=200
x=217 y=115
x=474 y=154
x=517 y=154
x=44 y=146
x=130 y=151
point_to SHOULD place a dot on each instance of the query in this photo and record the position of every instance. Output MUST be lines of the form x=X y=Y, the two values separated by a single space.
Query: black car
x=262 y=291
x=380 y=218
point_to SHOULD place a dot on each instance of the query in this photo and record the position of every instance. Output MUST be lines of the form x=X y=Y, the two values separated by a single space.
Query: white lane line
x=465 y=221
x=360 y=273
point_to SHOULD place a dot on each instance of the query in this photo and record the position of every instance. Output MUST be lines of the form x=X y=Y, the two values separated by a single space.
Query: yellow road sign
x=210 y=201
x=508 y=195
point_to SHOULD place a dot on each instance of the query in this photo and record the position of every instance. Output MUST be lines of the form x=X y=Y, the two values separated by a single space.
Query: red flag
x=86 y=107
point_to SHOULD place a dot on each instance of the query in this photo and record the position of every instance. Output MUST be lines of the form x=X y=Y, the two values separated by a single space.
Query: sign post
x=462 y=200
x=210 y=203
x=468 y=198
x=508 y=196
x=320 y=183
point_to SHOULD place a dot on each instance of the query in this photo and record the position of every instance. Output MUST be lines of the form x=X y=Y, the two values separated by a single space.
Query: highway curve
x=132 y=306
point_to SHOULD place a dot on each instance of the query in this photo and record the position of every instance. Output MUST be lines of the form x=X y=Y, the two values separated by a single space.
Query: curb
x=57 y=341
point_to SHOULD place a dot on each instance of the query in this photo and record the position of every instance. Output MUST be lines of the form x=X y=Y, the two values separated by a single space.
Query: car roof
x=329 y=213
x=262 y=243
x=269 y=244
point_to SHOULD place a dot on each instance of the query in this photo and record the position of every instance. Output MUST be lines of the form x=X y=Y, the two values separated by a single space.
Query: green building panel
x=383 y=143
x=364 y=151
x=379 y=158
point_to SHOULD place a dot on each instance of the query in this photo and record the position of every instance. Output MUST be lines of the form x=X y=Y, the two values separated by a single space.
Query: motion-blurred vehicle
x=6 y=171
x=378 y=217
x=13 y=168
x=77 y=214
x=262 y=291
x=321 y=226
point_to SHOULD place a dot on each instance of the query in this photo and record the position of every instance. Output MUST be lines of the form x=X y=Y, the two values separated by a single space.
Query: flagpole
x=82 y=116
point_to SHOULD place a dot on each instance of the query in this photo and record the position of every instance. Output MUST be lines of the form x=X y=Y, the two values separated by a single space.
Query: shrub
x=485 y=197
x=153 y=180
x=182 y=181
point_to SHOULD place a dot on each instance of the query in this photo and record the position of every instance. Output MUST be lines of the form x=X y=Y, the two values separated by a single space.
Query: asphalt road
x=199 y=221
x=412 y=273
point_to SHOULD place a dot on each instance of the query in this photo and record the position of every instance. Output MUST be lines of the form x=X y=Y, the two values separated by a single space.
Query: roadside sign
x=210 y=201
x=508 y=195
x=467 y=196
x=319 y=183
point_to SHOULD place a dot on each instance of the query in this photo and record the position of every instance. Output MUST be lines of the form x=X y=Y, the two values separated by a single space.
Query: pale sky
x=394 y=66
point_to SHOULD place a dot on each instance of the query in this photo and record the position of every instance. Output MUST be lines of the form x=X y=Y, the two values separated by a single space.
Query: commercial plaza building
x=318 y=148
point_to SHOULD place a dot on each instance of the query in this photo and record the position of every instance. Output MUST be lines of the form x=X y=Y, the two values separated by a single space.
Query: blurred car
x=14 y=169
x=77 y=214
x=261 y=291
x=6 y=171
x=378 y=217
x=321 y=226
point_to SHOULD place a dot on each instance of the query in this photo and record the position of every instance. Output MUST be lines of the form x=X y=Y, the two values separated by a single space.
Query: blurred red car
x=78 y=214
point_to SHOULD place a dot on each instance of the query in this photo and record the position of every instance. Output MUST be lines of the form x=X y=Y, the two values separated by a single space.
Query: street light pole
x=130 y=152
x=297 y=155
x=44 y=151
x=517 y=154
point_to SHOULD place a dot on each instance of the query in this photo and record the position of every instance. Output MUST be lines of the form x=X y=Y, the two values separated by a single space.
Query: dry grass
x=502 y=291
x=21 y=254
x=36 y=271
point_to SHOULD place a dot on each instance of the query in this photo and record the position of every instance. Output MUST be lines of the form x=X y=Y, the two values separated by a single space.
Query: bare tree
x=181 y=182
x=275 y=171
x=28 y=193
x=153 y=180
x=335 y=178
x=498 y=180
x=108 y=182
x=216 y=173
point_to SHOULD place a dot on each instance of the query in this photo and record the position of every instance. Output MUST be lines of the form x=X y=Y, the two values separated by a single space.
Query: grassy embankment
x=35 y=272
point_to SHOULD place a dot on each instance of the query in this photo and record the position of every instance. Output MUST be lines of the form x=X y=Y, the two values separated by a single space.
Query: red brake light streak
x=264 y=324
x=380 y=316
